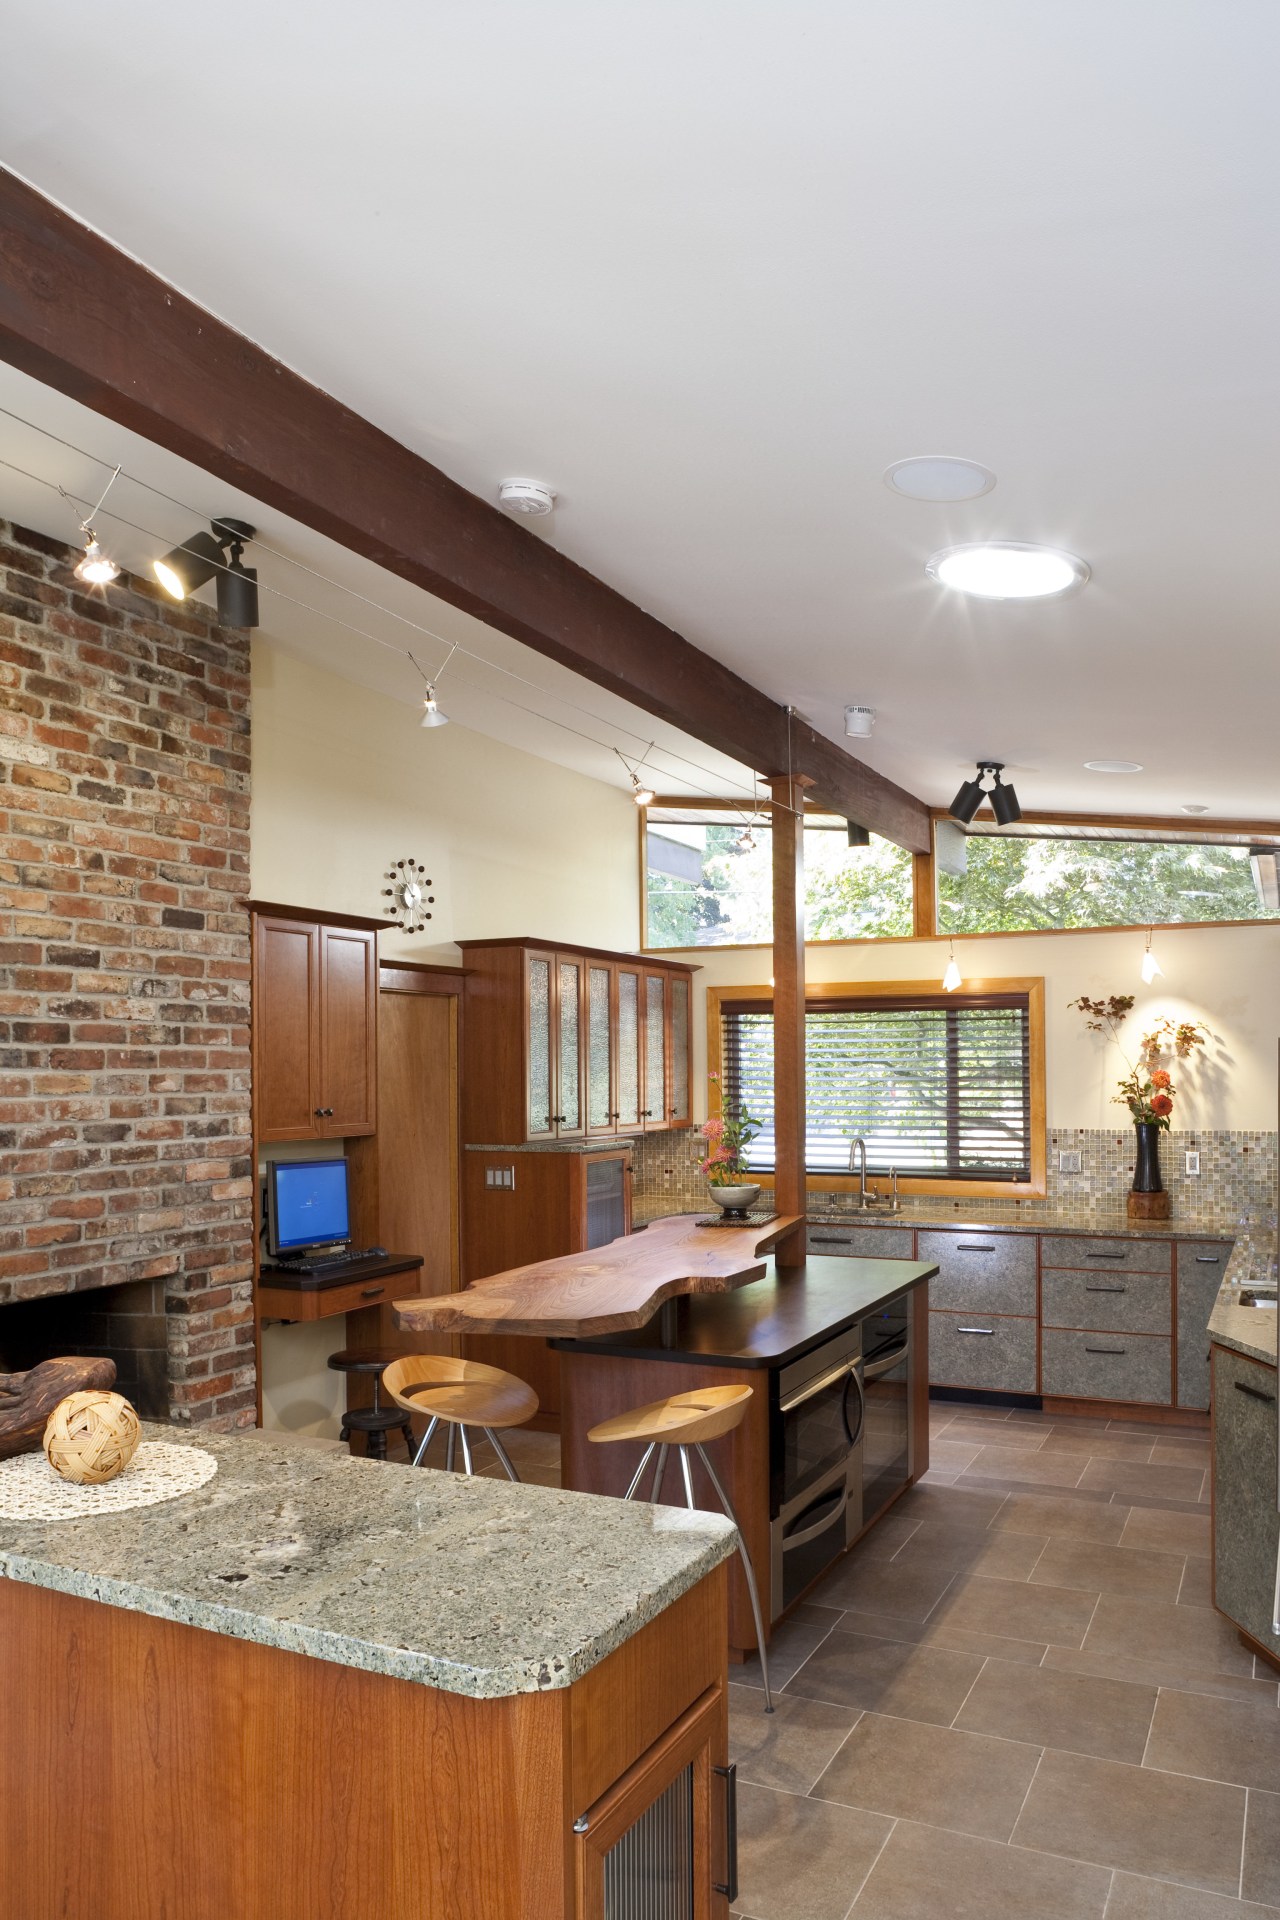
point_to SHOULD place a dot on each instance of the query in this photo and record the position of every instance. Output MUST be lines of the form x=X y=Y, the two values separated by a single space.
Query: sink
x=1256 y=1297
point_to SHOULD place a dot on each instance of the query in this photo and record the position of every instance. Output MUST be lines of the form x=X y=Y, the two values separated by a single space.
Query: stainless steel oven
x=886 y=1383
x=816 y=1443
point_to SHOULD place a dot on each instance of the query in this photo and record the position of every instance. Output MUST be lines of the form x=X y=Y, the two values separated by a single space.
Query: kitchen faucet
x=867 y=1201
x=854 y=1146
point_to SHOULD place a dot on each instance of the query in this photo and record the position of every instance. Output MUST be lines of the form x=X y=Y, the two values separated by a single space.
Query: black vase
x=1146 y=1170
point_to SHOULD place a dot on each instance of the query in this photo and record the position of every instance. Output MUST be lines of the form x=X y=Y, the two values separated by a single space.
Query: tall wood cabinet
x=315 y=1023
x=564 y=1044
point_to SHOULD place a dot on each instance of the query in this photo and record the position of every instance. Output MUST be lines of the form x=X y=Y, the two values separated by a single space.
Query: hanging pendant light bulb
x=95 y=567
x=642 y=795
x=951 y=978
x=746 y=840
x=1151 y=968
x=431 y=714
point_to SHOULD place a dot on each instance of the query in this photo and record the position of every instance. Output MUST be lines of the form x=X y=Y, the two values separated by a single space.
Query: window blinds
x=936 y=1089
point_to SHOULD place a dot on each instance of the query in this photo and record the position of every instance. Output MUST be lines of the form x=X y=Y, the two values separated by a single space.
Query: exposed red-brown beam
x=89 y=320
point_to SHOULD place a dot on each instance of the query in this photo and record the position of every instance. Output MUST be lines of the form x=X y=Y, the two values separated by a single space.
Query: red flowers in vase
x=1147 y=1089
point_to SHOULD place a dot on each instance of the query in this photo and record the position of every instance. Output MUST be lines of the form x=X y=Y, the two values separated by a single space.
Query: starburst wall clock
x=408 y=895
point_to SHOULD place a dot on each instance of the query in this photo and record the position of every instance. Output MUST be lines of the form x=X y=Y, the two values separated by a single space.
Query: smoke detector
x=529 y=497
x=858 y=721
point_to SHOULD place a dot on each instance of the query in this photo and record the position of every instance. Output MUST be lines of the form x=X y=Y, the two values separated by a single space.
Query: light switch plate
x=1193 y=1163
x=1069 y=1162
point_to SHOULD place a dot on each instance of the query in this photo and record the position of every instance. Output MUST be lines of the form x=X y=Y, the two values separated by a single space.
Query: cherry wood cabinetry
x=315 y=1022
x=563 y=1044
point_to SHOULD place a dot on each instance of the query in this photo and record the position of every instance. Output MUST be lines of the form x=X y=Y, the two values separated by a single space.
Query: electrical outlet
x=1069 y=1162
x=1193 y=1163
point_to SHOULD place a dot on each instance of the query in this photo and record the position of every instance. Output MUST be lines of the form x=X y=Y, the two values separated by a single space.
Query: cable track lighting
x=951 y=979
x=95 y=567
x=1151 y=968
x=1004 y=801
x=206 y=556
x=642 y=795
x=432 y=716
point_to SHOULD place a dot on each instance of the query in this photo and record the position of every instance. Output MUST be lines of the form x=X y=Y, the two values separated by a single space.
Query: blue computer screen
x=310 y=1202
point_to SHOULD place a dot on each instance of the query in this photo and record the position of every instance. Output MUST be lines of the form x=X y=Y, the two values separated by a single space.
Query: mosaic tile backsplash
x=1237 y=1172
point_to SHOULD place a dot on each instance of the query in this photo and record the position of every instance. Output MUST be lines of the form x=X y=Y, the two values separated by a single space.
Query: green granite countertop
x=476 y=1586
x=1012 y=1217
x=1250 y=1330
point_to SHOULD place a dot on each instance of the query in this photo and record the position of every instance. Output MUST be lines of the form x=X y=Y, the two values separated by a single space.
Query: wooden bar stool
x=377 y=1421
x=462 y=1394
x=684 y=1421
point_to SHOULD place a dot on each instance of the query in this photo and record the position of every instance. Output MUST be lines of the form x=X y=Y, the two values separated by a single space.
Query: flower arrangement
x=1147 y=1089
x=728 y=1136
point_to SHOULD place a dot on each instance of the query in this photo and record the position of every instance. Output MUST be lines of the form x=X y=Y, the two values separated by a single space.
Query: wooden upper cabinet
x=315 y=1010
x=563 y=1044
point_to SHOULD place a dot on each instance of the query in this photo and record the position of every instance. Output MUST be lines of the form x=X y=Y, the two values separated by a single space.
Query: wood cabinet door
x=542 y=1046
x=679 y=1051
x=570 y=1025
x=653 y=1106
x=348 y=1024
x=601 y=1113
x=628 y=1025
x=652 y=1848
x=286 y=1001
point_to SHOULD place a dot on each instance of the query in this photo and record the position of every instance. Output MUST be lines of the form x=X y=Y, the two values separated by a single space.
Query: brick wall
x=124 y=961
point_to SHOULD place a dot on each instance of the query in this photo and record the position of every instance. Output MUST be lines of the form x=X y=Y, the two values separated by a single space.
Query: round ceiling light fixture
x=528 y=497
x=1007 y=570
x=1113 y=766
x=1189 y=806
x=938 y=477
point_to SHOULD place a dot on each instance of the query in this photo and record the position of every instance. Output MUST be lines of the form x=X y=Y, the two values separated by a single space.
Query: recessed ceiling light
x=1007 y=570
x=1189 y=808
x=938 y=476
x=1113 y=766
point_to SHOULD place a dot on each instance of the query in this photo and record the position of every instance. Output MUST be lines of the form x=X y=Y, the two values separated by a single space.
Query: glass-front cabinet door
x=653 y=1110
x=629 y=1028
x=678 y=1114
x=540 y=1029
x=570 y=1049
x=600 y=1048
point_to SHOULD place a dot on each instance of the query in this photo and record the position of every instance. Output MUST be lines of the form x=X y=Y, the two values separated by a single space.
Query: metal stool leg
x=658 y=1472
x=448 y=1455
x=425 y=1442
x=688 y=1477
x=501 y=1452
x=746 y=1568
x=466 y=1449
x=636 y=1477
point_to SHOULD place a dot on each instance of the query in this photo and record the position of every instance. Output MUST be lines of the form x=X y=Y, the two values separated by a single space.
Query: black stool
x=377 y=1421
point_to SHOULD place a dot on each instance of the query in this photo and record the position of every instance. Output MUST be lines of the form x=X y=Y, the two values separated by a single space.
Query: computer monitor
x=306 y=1205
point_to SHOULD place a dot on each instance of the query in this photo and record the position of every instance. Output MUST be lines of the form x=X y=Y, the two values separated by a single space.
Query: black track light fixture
x=1004 y=801
x=187 y=568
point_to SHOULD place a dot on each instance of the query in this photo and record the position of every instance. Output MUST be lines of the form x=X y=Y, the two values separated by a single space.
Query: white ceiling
x=708 y=269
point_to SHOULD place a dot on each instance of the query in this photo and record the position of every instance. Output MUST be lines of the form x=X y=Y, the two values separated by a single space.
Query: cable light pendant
x=1151 y=968
x=951 y=978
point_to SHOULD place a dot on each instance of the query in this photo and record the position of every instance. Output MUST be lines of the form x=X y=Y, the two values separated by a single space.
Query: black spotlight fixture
x=858 y=836
x=198 y=560
x=1004 y=801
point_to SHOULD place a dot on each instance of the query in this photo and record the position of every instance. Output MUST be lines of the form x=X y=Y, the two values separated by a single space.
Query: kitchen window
x=946 y=1088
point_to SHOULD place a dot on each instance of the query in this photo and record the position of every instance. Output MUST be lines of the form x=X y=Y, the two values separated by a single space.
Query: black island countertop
x=769 y=1322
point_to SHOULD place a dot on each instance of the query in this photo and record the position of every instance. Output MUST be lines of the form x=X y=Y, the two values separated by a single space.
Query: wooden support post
x=787 y=793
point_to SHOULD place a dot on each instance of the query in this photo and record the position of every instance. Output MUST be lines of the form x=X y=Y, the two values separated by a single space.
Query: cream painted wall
x=1227 y=978
x=345 y=781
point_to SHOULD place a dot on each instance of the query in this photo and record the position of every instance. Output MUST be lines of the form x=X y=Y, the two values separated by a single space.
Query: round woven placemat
x=31 y=1490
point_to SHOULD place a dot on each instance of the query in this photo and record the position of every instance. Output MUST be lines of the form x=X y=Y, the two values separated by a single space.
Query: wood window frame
x=819 y=991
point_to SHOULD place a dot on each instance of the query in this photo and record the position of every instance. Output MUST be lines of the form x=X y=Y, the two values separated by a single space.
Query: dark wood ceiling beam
x=90 y=321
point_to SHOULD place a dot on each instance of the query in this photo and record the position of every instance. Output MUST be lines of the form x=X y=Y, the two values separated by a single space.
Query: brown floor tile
x=1133 y=1898
x=792 y=1643
x=1025 y=1467
x=888 y=1676
x=801 y=1859
x=931 y=1633
x=971 y=1410
x=1005 y=1556
x=1197 y=1583
x=948 y=1454
x=1188 y=1637
x=1168 y=1532
x=1158 y=1429
x=1159 y=1670
x=1017 y=1611
x=1166 y=1505
x=789 y=1747
x=1135 y=1819
x=996 y=1433
x=939 y=1477
x=1062 y=1422
x=1156 y=1483
x=968 y=1508
x=887 y=1586
x=1216 y=1740
x=1098 y=1446
x=1064 y=1710
x=884 y=1539
x=925 y=1873
x=1261 y=1879
x=1071 y=1516
x=1101 y=1569
x=956 y=1780
x=1181 y=1453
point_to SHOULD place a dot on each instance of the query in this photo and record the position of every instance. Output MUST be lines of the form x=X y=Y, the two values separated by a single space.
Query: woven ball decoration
x=91 y=1437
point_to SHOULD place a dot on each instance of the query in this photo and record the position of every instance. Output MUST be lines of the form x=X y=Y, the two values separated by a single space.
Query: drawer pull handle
x=986 y=1330
x=1208 y=1259
x=1089 y=1289
x=828 y=1240
x=1122 y=1253
x=1106 y=1349
x=729 y=1775
x=1254 y=1393
x=371 y=1293
x=971 y=1246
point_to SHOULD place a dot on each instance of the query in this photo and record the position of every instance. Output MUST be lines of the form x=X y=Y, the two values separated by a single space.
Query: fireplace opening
x=125 y=1323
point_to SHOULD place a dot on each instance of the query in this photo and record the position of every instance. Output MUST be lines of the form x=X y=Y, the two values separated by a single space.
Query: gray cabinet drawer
x=1201 y=1265
x=1246 y=1526
x=988 y=1272
x=1125 y=1302
x=1088 y=1250
x=982 y=1350
x=862 y=1243
x=1105 y=1366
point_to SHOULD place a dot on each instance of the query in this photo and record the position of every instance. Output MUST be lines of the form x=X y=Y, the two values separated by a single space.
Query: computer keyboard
x=332 y=1263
